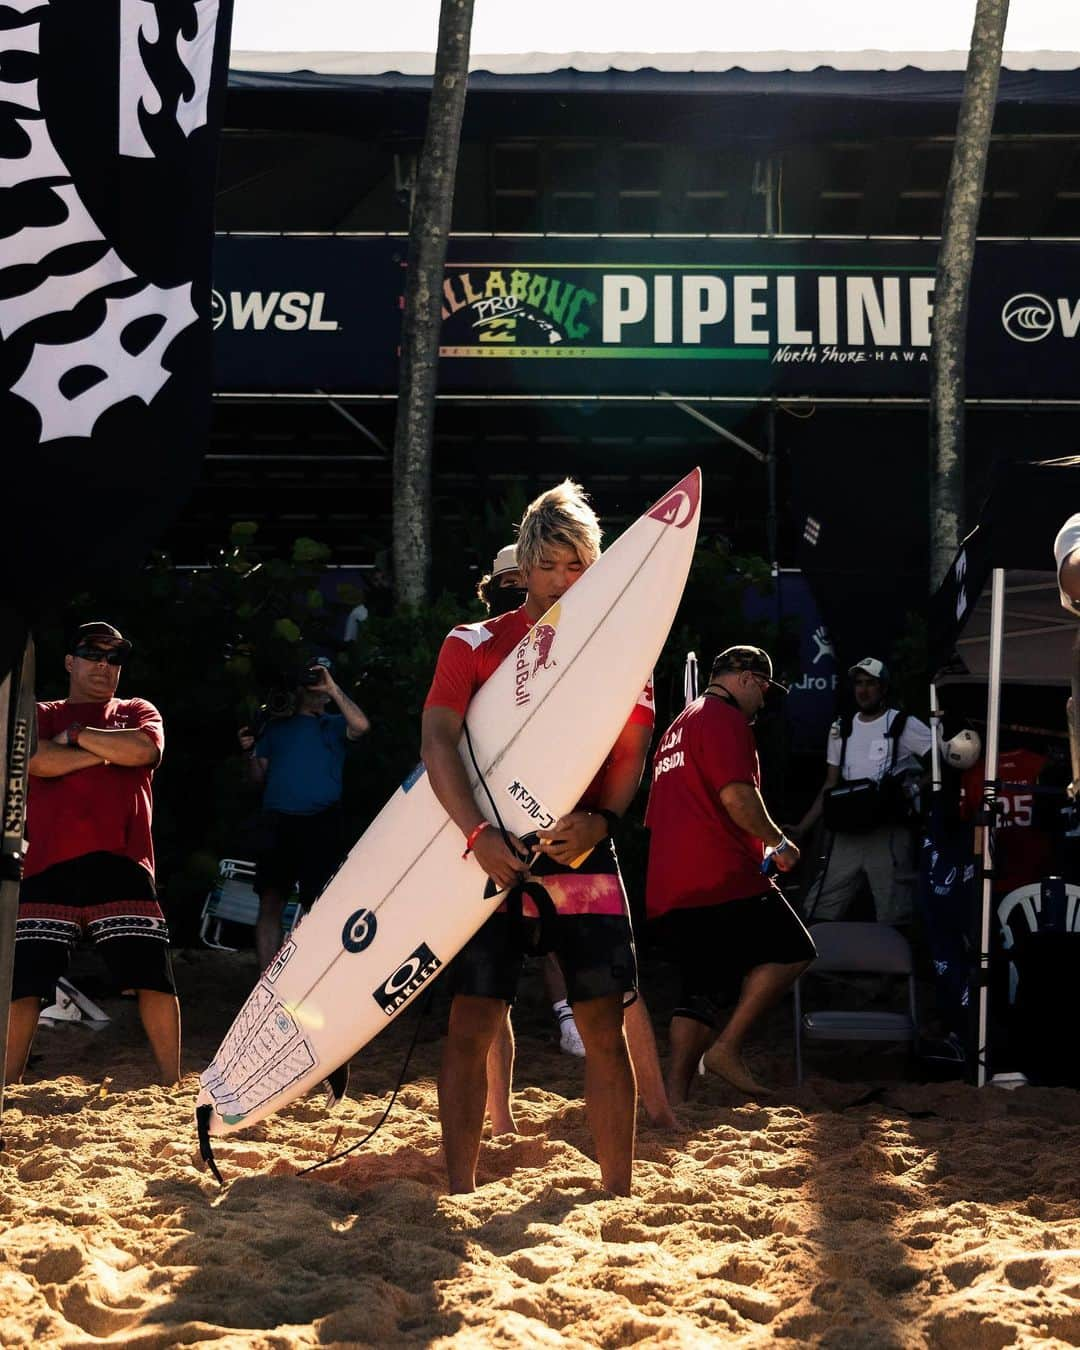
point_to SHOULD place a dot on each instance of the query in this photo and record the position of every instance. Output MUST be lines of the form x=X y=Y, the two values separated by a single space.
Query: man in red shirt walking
x=90 y=864
x=729 y=929
x=559 y=538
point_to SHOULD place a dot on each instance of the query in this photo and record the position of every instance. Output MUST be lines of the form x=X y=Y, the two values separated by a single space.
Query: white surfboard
x=405 y=901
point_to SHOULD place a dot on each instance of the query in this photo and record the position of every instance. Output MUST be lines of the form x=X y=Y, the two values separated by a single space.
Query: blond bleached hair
x=561 y=516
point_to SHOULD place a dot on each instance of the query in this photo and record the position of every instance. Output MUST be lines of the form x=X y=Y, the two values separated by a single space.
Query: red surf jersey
x=697 y=854
x=472 y=652
x=104 y=809
x=1023 y=852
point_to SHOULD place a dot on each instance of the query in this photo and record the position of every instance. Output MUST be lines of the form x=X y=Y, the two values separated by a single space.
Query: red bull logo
x=534 y=654
x=544 y=636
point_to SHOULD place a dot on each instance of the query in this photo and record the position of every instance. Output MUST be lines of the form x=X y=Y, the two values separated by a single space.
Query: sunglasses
x=113 y=655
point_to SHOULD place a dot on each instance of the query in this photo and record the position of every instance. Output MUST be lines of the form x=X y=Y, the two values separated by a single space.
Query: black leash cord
x=337 y=1157
x=487 y=791
x=203 y=1113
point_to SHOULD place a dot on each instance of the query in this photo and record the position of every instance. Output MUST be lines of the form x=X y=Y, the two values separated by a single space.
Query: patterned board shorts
x=589 y=931
x=108 y=899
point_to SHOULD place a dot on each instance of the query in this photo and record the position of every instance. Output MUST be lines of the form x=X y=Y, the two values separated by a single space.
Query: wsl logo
x=1030 y=318
x=1027 y=318
x=286 y=311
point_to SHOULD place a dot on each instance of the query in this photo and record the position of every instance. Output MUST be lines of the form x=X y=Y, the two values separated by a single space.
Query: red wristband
x=474 y=837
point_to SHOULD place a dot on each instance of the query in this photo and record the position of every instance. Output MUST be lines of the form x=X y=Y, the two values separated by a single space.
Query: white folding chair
x=233 y=900
x=856 y=949
x=1025 y=905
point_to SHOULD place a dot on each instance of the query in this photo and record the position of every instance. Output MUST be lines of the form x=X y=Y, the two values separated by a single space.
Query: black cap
x=743 y=657
x=87 y=631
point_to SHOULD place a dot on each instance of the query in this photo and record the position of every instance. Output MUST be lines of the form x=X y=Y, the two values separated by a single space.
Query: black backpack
x=857 y=805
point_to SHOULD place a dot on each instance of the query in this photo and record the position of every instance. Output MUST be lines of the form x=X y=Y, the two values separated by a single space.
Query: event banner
x=738 y=317
x=108 y=151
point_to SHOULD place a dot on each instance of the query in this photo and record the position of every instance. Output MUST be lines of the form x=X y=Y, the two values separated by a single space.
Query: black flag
x=109 y=119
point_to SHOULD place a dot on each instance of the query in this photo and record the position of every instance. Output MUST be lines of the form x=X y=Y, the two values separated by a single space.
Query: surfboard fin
x=202 y=1121
x=336 y=1085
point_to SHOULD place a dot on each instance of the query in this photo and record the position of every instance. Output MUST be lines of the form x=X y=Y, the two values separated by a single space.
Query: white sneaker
x=570 y=1042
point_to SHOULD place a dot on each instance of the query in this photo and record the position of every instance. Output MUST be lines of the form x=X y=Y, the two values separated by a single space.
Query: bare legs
x=761 y=988
x=474 y=1024
x=688 y=1040
x=500 y=1078
x=610 y=1094
x=268 y=926
x=160 y=1015
x=641 y=1040
x=610 y=1091
x=22 y=1023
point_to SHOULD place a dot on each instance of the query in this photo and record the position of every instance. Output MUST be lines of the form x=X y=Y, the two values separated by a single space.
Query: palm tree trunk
x=963 y=199
x=422 y=320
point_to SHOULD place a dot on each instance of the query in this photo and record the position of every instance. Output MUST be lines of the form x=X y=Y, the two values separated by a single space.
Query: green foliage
x=396 y=656
x=209 y=646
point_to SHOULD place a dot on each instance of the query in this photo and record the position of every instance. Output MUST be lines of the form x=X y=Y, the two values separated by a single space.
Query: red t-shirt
x=698 y=855
x=1022 y=851
x=470 y=655
x=104 y=809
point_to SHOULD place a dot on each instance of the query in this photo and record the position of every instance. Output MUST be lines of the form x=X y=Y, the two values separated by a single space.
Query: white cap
x=505 y=560
x=869 y=665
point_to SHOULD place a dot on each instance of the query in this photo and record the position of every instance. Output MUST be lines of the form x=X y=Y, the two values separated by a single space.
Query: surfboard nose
x=680 y=506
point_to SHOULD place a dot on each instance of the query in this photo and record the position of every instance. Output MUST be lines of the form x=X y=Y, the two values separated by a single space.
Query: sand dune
x=836 y=1215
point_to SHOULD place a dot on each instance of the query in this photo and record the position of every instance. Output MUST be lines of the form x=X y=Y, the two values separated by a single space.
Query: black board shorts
x=715 y=946
x=299 y=853
x=587 y=927
x=111 y=902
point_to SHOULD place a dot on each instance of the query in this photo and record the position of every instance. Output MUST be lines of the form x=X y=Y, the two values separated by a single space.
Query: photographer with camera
x=298 y=759
x=872 y=759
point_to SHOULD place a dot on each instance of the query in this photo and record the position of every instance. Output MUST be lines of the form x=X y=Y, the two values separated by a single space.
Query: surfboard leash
x=206 y=1151
x=425 y=1003
x=487 y=791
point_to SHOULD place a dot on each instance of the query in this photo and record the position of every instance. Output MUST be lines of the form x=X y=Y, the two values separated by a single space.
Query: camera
x=312 y=674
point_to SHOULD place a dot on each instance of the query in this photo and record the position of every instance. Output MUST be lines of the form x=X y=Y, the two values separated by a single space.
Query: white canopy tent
x=336 y=37
x=1036 y=634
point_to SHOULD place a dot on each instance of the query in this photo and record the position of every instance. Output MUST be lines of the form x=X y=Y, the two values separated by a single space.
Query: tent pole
x=18 y=735
x=935 y=744
x=993 y=720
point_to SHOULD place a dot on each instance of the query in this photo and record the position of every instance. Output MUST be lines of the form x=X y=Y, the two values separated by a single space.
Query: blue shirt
x=306 y=755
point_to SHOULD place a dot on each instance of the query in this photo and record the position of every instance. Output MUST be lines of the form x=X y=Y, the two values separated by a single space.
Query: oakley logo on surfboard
x=414 y=971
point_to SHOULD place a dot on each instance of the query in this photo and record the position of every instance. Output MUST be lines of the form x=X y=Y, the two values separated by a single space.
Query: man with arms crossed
x=729 y=929
x=558 y=539
x=90 y=865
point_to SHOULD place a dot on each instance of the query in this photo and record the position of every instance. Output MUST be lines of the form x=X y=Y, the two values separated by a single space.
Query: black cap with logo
x=743 y=657
x=88 y=632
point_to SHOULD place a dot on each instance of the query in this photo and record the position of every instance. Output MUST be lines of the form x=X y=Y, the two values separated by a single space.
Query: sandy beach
x=846 y=1213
